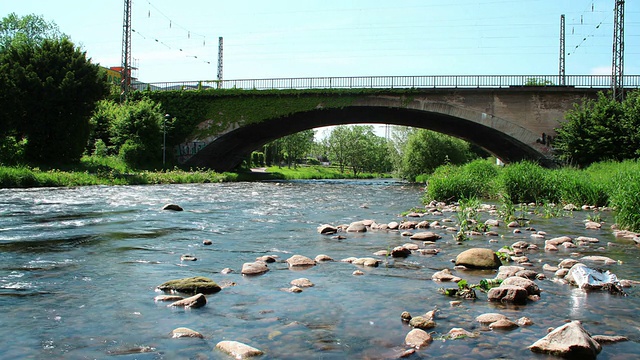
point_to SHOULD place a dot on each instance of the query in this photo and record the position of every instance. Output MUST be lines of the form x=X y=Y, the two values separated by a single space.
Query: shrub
x=472 y=180
x=625 y=197
x=526 y=182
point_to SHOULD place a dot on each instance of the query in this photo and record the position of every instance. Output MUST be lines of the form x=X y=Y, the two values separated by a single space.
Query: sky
x=178 y=40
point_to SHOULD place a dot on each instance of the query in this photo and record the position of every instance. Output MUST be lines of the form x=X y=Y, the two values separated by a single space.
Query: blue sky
x=178 y=40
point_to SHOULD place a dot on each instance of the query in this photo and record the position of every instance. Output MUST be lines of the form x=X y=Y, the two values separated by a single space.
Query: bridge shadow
x=229 y=150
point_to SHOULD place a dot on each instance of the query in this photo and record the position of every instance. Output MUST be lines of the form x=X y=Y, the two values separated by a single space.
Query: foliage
x=316 y=172
x=358 y=148
x=425 y=150
x=537 y=82
x=31 y=30
x=625 y=197
x=49 y=91
x=472 y=180
x=295 y=146
x=528 y=182
x=600 y=129
x=136 y=133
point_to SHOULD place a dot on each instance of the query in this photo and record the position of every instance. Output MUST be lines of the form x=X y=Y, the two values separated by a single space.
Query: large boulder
x=569 y=341
x=479 y=258
x=192 y=285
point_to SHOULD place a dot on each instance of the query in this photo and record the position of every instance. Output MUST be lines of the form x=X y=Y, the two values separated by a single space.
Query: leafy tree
x=49 y=92
x=296 y=146
x=136 y=133
x=30 y=30
x=600 y=129
x=426 y=150
x=359 y=148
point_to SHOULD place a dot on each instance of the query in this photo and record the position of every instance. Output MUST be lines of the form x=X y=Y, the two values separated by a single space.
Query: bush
x=526 y=182
x=133 y=154
x=472 y=180
x=625 y=198
x=579 y=188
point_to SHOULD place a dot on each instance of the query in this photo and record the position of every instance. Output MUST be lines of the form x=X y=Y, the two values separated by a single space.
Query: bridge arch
x=503 y=138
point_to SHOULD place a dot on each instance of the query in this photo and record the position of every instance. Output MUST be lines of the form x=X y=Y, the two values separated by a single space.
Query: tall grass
x=317 y=172
x=615 y=184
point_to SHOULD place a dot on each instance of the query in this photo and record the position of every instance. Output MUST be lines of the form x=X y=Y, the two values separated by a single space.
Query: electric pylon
x=125 y=75
x=220 y=62
x=562 y=52
x=617 y=74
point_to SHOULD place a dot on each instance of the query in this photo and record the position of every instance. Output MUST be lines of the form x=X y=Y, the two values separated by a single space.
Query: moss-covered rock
x=192 y=285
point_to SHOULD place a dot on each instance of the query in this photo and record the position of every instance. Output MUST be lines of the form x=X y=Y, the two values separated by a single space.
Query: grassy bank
x=318 y=172
x=614 y=184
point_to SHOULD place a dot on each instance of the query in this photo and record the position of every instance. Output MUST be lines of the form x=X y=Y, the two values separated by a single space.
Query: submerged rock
x=196 y=301
x=327 y=229
x=172 y=207
x=192 y=285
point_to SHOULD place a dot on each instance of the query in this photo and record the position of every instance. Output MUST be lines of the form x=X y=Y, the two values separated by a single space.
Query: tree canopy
x=49 y=92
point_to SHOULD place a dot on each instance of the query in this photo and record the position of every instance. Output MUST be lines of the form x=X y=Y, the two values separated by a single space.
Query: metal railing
x=397 y=82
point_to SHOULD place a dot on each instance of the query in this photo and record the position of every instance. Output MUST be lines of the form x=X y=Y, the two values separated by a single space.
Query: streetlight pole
x=164 y=138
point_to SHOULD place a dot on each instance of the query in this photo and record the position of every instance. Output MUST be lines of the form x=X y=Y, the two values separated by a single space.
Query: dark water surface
x=78 y=269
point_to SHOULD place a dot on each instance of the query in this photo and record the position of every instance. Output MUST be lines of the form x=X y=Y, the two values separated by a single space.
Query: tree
x=30 y=30
x=600 y=129
x=338 y=144
x=359 y=148
x=296 y=146
x=136 y=133
x=426 y=150
x=50 y=91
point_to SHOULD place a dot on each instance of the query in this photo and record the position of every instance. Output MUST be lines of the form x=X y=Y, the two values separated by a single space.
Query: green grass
x=318 y=172
x=615 y=184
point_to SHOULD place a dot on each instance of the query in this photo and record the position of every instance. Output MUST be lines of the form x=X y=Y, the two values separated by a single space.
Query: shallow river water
x=79 y=267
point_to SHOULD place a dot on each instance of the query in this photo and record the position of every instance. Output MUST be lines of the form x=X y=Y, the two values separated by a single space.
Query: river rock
x=327 y=229
x=489 y=318
x=531 y=287
x=254 y=268
x=172 y=207
x=425 y=236
x=366 y=261
x=506 y=271
x=357 y=226
x=503 y=324
x=609 y=339
x=408 y=225
x=567 y=263
x=570 y=341
x=508 y=293
x=592 y=225
x=195 y=301
x=422 y=322
x=445 y=275
x=587 y=239
x=400 y=252
x=479 y=258
x=237 y=349
x=267 y=258
x=459 y=333
x=323 y=258
x=418 y=338
x=492 y=222
x=182 y=332
x=171 y=298
x=188 y=258
x=524 y=321
x=393 y=225
x=558 y=240
x=596 y=258
x=302 y=282
x=297 y=261
x=423 y=225
x=192 y=285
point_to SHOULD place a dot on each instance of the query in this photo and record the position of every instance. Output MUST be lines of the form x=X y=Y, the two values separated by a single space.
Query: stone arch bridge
x=511 y=122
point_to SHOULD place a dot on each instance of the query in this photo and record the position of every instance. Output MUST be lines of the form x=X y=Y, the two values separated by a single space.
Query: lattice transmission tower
x=562 y=72
x=617 y=76
x=220 y=62
x=125 y=79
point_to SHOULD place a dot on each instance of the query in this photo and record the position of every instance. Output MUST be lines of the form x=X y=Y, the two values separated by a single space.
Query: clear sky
x=178 y=40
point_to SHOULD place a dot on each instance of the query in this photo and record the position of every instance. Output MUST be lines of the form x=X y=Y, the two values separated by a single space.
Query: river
x=79 y=267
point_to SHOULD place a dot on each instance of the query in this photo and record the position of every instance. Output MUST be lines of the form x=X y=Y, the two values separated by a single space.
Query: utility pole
x=617 y=68
x=562 y=52
x=125 y=75
x=220 y=62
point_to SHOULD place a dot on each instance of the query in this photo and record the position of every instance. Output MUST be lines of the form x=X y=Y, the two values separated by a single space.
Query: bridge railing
x=392 y=82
